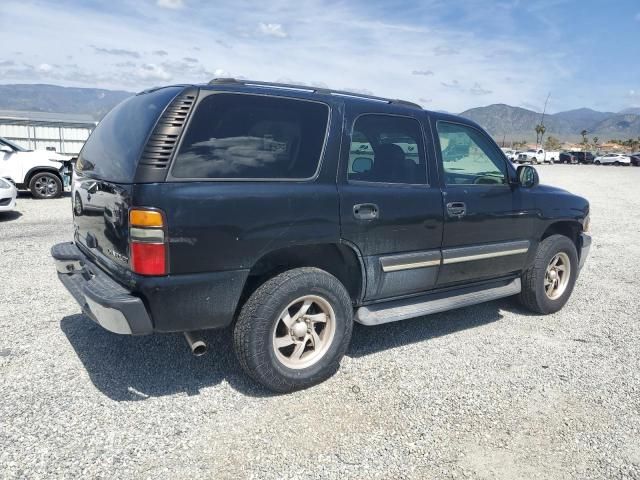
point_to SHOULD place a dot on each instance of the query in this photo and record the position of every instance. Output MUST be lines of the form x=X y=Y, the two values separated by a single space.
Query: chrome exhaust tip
x=197 y=345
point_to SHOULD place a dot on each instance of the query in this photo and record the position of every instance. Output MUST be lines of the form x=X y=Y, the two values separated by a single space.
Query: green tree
x=552 y=143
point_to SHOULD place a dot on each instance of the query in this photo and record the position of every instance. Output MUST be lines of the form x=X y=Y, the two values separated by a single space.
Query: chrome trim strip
x=483 y=252
x=483 y=256
x=407 y=261
x=407 y=266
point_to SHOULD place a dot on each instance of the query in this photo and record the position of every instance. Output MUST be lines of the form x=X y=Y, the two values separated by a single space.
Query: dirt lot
x=489 y=391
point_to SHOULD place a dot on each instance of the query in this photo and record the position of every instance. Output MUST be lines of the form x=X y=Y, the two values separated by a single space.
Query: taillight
x=147 y=242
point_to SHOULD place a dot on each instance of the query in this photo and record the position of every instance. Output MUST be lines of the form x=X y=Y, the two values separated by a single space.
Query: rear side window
x=113 y=149
x=386 y=148
x=238 y=136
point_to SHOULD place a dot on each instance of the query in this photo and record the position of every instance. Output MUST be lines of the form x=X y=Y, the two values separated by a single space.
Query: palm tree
x=584 y=136
x=595 y=140
x=538 y=129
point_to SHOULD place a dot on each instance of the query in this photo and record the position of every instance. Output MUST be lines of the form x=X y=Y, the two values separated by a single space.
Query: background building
x=62 y=132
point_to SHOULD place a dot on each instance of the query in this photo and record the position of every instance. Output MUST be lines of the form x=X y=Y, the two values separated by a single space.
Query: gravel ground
x=490 y=391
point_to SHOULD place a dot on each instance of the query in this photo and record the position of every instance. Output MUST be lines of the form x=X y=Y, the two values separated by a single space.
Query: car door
x=488 y=221
x=388 y=209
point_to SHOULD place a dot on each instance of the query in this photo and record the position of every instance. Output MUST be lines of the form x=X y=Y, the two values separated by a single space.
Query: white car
x=8 y=194
x=512 y=155
x=43 y=172
x=613 y=159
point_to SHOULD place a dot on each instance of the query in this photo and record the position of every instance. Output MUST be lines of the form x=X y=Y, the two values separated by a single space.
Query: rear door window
x=239 y=136
x=387 y=149
x=113 y=149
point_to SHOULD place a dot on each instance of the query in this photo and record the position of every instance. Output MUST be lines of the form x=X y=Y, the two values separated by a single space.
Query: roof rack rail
x=311 y=89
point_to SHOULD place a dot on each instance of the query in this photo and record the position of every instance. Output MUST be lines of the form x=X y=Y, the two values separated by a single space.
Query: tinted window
x=250 y=136
x=469 y=157
x=387 y=149
x=113 y=149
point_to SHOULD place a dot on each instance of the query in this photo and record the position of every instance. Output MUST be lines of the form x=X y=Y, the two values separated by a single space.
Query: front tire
x=547 y=284
x=294 y=329
x=45 y=185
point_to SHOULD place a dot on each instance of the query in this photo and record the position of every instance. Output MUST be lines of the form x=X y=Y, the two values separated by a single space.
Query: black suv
x=578 y=157
x=289 y=212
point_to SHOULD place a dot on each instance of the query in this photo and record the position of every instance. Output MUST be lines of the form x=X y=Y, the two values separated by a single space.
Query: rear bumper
x=585 y=246
x=102 y=299
x=172 y=303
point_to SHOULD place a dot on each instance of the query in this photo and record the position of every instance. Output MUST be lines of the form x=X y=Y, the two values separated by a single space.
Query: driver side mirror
x=528 y=176
x=6 y=149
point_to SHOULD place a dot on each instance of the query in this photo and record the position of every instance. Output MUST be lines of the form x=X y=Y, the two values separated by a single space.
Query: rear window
x=113 y=149
x=238 y=136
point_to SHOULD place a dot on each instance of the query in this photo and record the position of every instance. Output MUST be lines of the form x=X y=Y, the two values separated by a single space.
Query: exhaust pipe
x=197 y=345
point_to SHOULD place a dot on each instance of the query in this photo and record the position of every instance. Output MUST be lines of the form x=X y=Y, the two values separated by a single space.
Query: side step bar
x=377 y=314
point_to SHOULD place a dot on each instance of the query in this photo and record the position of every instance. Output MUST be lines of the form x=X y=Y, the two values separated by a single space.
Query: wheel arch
x=342 y=260
x=41 y=169
x=568 y=228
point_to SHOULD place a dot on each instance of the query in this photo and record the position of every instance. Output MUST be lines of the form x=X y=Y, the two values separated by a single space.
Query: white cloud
x=342 y=47
x=152 y=72
x=272 y=29
x=45 y=68
x=172 y=4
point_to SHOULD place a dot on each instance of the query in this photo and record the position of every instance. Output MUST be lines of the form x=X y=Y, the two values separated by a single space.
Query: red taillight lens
x=147 y=242
x=148 y=258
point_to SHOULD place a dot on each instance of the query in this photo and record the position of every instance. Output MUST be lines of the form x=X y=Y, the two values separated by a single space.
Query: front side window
x=236 y=136
x=469 y=157
x=387 y=149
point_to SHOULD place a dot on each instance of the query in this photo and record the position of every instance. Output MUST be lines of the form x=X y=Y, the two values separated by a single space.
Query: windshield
x=12 y=145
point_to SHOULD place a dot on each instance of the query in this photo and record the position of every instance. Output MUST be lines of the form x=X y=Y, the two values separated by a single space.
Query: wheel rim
x=557 y=275
x=304 y=332
x=46 y=186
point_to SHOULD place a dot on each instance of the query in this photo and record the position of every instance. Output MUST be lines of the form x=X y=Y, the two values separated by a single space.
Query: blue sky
x=449 y=55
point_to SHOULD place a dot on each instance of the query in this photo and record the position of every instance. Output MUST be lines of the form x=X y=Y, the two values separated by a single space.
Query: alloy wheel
x=557 y=275
x=304 y=332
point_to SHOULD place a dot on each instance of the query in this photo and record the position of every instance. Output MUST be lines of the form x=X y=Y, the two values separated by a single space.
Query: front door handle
x=365 y=211
x=456 y=209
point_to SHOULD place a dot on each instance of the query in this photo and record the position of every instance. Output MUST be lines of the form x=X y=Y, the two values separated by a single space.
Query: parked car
x=635 y=159
x=583 y=157
x=539 y=155
x=613 y=159
x=289 y=212
x=8 y=194
x=510 y=154
x=568 y=157
x=43 y=172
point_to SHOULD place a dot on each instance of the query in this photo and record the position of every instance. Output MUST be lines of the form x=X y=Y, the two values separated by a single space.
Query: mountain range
x=515 y=123
x=500 y=120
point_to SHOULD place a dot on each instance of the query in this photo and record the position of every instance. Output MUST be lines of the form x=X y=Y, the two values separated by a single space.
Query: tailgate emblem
x=117 y=255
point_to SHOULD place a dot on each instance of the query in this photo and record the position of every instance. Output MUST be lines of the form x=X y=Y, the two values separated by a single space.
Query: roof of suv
x=310 y=90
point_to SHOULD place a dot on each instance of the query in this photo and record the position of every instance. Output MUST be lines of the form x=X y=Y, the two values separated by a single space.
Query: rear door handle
x=365 y=211
x=456 y=209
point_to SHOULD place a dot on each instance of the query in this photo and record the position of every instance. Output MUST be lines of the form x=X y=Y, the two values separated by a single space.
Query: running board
x=394 y=311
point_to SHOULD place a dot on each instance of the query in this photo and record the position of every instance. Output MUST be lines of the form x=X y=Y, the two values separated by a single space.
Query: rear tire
x=286 y=347
x=45 y=185
x=539 y=281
